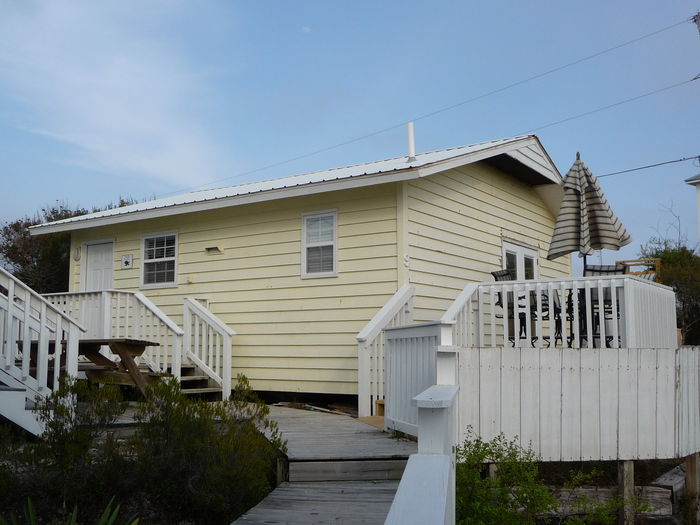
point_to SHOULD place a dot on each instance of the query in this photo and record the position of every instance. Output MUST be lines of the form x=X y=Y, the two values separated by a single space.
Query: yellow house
x=298 y=266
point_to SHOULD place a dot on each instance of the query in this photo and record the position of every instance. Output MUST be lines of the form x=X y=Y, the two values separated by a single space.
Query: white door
x=98 y=266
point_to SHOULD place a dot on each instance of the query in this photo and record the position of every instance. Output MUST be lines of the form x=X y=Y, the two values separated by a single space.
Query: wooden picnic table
x=127 y=349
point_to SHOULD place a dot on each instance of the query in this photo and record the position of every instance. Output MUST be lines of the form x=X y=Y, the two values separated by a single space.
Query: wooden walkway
x=341 y=470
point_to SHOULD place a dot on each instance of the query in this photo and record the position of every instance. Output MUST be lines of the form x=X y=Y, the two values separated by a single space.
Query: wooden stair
x=194 y=383
x=18 y=409
x=339 y=470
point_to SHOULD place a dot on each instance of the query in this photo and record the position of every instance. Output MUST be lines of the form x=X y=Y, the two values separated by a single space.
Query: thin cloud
x=90 y=76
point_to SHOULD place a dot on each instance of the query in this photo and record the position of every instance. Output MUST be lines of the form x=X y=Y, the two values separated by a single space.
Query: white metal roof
x=378 y=172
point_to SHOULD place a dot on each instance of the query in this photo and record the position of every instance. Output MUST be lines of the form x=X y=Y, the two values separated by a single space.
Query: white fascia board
x=236 y=200
x=523 y=159
x=484 y=154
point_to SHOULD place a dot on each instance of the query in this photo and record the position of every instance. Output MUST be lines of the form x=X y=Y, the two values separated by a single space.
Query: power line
x=446 y=108
x=609 y=106
x=684 y=159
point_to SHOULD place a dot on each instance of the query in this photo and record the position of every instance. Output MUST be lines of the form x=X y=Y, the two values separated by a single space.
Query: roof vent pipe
x=411 y=143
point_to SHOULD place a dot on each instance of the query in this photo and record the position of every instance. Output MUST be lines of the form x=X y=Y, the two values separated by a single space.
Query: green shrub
x=187 y=460
x=205 y=461
x=514 y=496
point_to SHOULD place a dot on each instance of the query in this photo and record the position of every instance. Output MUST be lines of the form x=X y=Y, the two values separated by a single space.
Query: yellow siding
x=298 y=335
x=456 y=223
x=293 y=334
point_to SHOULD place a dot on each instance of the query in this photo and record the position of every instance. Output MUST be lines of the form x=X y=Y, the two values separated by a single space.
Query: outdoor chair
x=502 y=275
x=507 y=275
x=591 y=270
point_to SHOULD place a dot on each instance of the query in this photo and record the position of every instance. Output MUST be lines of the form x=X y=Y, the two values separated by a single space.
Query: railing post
x=226 y=372
x=72 y=350
x=630 y=339
x=106 y=317
x=176 y=366
x=9 y=326
x=364 y=400
x=446 y=365
x=187 y=327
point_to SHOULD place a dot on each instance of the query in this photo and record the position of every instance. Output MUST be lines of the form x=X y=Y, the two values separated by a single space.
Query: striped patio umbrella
x=585 y=222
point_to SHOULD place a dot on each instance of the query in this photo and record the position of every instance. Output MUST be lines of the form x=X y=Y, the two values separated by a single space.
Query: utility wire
x=447 y=108
x=609 y=106
x=684 y=159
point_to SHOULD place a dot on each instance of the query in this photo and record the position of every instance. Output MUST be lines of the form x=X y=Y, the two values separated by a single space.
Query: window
x=521 y=261
x=318 y=252
x=159 y=253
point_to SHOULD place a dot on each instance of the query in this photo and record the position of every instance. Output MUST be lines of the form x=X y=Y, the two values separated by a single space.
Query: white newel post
x=106 y=311
x=226 y=372
x=72 y=351
x=364 y=407
x=176 y=368
x=426 y=493
x=187 y=326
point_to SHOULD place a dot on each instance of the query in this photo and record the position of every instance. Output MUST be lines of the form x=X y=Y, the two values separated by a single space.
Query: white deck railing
x=208 y=343
x=619 y=311
x=38 y=342
x=117 y=314
x=426 y=493
x=567 y=404
x=411 y=368
x=398 y=311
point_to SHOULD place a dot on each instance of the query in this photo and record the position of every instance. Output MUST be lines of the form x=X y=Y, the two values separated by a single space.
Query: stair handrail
x=158 y=313
x=370 y=348
x=40 y=298
x=463 y=333
x=33 y=329
x=215 y=362
x=384 y=316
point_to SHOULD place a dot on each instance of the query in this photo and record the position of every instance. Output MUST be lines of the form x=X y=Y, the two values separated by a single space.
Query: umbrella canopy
x=585 y=222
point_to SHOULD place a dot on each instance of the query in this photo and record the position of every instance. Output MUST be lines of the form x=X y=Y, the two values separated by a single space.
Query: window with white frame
x=318 y=251
x=520 y=260
x=159 y=258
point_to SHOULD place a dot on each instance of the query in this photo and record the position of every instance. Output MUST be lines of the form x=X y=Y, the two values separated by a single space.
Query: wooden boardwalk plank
x=346 y=502
x=322 y=436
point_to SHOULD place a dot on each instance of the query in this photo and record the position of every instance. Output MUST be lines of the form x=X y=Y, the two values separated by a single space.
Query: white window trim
x=145 y=236
x=304 y=246
x=520 y=252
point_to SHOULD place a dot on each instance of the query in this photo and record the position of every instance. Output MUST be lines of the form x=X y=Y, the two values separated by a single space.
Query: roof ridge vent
x=411 y=143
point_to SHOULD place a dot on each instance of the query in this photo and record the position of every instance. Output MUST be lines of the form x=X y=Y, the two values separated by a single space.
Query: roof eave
x=357 y=181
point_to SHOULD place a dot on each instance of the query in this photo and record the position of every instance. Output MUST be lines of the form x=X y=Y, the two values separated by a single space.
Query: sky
x=158 y=97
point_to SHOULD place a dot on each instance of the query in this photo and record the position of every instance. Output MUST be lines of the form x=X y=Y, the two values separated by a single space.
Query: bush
x=186 y=460
x=514 y=496
x=206 y=461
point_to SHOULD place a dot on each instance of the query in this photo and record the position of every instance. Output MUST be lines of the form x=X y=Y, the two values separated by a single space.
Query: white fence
x=411 y=368
x=566 y=404
x=208 y=343
x=618 y=311
x=38 y=342
x=398 y=311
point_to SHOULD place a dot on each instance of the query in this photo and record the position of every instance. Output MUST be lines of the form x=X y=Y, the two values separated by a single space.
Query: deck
x=341 y=470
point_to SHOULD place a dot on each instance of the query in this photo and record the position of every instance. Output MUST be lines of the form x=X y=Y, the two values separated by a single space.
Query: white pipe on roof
x=411 y=143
